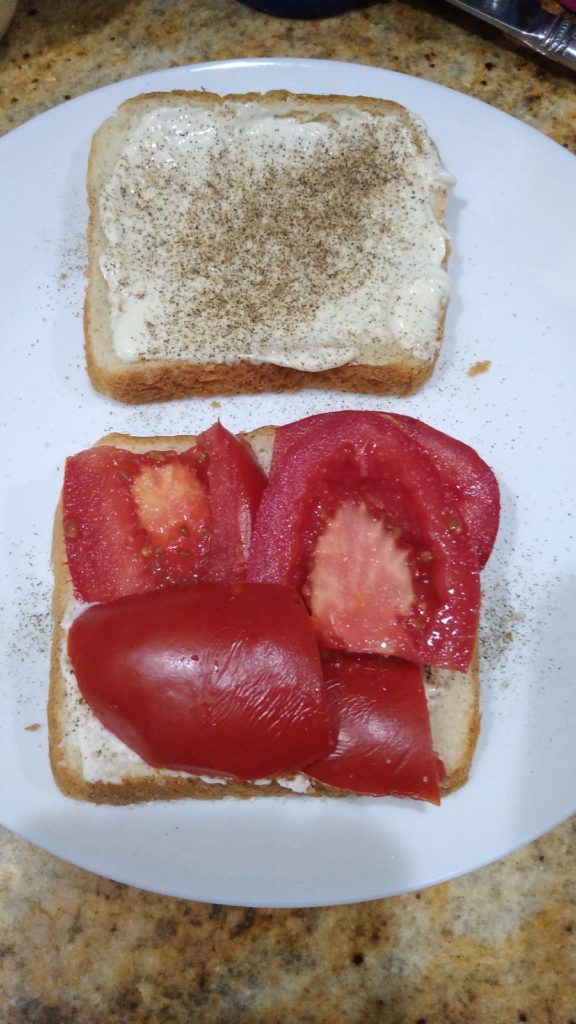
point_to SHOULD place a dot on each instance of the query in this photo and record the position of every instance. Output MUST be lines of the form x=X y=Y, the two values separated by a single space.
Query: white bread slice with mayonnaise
x=90 y=763
x=263 y=242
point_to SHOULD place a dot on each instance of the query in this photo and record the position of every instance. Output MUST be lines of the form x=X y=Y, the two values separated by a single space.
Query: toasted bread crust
x=161 y=381
x=458 y=713
x=399 y=373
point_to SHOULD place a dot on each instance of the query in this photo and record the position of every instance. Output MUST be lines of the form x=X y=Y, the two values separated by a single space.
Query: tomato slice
x=114 y=503
x=236 y=483
x=428 y=599
x=136 y=522
x=463 y=472
x=471 y=479
x=207 y=677
x=384 y=745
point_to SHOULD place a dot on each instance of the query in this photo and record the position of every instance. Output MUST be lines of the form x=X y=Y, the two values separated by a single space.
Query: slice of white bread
x=305 y=248
x=89 y=763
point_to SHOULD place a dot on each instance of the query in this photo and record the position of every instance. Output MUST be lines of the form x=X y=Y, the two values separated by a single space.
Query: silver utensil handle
x=548 y=34
x=557 y=41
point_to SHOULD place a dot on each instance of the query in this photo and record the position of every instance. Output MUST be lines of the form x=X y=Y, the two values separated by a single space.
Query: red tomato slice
x=384 y=745
x=113 y=506
x=133 y=523
x=236 y=482
x=472 y=480
x=207 y=677
x=462 y=470
x=367 y=462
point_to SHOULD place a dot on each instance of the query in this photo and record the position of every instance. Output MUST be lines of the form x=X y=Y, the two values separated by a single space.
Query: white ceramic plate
x=513 y=230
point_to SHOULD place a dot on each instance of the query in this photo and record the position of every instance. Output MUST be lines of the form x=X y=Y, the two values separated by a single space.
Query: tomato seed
x=454 y=525
x=70 y=528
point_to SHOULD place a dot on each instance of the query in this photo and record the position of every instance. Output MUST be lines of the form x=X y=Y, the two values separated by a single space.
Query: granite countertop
x=495 y=947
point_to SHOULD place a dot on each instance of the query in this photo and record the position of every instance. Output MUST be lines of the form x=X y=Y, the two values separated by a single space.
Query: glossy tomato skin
x=384 y=745
x=236 y=483
x=337 y=457
x=207 y=677
x=473 y=482
x=109 y=547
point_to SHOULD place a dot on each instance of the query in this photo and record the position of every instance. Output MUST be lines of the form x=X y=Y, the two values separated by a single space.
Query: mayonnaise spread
x=247 y=232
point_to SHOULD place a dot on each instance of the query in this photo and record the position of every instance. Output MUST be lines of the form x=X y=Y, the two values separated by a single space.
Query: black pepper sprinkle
x=263 y=244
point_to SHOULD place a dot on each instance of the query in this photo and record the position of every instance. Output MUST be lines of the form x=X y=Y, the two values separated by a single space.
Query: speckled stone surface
x=56 y=50
x=496 y=947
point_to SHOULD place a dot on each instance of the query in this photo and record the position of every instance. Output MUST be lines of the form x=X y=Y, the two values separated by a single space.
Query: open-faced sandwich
x=293 y=610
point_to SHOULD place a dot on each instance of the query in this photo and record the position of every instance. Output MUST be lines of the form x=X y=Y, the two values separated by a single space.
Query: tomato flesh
x=470 y=480
x=207 y=677
x=109 y=551
x=171 y=501
x=384 y=745
x=236 y=483
x=469 y=477
x=136 y=522
x=352 y=588
x=365 y=458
